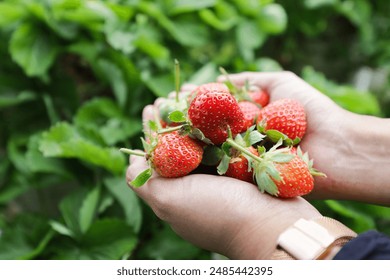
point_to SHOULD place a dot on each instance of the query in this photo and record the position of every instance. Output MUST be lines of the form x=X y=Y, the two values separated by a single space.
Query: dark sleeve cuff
x=370 y=245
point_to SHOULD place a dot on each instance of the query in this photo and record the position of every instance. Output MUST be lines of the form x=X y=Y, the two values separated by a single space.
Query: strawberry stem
x=132 y=152
x=157 y=118
x=177 y=79
x=243 y=150
x=170 y=129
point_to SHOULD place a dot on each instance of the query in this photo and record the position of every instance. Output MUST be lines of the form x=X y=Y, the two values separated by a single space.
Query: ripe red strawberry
x=208 y=87
x=251 y=113
x=213 y=110
x=285 y=115
x=176 y=155
x=259 y=96
x=296 y=179
x=238 y=167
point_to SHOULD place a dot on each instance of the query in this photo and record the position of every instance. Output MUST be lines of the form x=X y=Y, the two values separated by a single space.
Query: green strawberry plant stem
x=170 y=129
x=177 y=79
x=132 y=152
x=243 y=150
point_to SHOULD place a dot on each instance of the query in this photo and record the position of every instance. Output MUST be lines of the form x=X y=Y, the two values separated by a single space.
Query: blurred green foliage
x=75 y=75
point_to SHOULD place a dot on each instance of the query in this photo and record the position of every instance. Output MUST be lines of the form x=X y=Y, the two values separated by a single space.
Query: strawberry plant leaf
x=104 y=118
x=141 y=178
x=212 y=155
x=296 y=141
x=272 y=19
x=152 y=125
x=128 y=200
x=223 y=165
x=88 y=209
x=108 y=239
x=265 y=183
x=61 y=228
x=177 y=116
x=33 y=49
x=282 y=157
x=199 y=135
x=70 y=209
x=275 y=135
x=226 y=148
x=261 y=150
x=255 y=137
x=63 y=140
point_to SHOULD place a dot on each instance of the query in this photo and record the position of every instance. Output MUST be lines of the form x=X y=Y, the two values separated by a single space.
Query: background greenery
x=75 y=75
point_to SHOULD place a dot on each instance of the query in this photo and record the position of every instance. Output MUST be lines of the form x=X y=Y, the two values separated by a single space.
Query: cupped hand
x=326 y=122
x=220 y=214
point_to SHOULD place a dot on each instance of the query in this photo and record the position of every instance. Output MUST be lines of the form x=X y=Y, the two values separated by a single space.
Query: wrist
x=257 y=235
x=317 y=239
x=362 y=159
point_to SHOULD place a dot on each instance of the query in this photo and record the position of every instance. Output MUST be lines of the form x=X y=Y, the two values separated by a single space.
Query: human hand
x=218 y=213
x=338 y=141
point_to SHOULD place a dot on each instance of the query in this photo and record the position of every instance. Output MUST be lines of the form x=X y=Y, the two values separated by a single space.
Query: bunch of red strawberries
x=230 y=131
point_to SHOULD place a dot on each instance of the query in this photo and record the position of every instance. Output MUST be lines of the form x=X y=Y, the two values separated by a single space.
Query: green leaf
x=273 y=19
x=25 y=238
x=255 y=137
x=108 y=239
x=63 y=140
x=61 y=229
x=12 y=99
x=177 y=116
x=249 y=38
x=113 y=74
x=315 y=4
x=346 y=96
x=33 y=49
x=105 y=118
x=199 y=135
x=10 y=13
x=161 y=85
x=70 y=210
x=88 y=209
x=361 y=221
x=128 y=200
x=265 y=64
x=275 y=135
x=265 y=183
x=226 y=148
x=212 y=155
x=282 y=157
x=207 y=73
x=36 y=162
x=142 y=178
x=186 y=6
x=223 y=166
x=165 y=244
x=223 y=19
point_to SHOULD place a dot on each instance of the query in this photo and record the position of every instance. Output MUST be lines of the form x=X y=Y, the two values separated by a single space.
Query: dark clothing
x=370 y=245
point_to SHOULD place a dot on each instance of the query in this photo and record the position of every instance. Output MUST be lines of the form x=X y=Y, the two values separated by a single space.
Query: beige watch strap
x=311 y=239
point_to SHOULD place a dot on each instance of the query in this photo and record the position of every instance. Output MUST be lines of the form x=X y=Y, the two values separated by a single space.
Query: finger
x=159 y=101
x=188 y=87
x=264 y=80
x=148 y=113
x=152 y=188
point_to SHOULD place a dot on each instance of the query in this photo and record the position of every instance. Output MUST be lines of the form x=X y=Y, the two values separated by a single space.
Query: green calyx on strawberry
x=171 y=155
x=281 y=171
x=247 y=92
